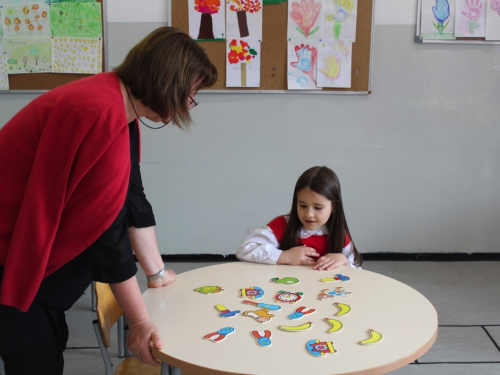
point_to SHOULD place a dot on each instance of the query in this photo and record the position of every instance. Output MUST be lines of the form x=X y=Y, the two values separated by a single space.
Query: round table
x=405 y=318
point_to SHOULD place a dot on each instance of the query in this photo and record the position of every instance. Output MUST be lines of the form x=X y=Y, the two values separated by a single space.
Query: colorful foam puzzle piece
x=220 y=335
x=288 y=297
x=209 y=289
x=373 y=339
x=263 y=305
x=337 y=277
x=332 y=293
x=225 y=312
x=252 y=292
x=320 y=348
x=285 y=280
x=344 y=309
x=263 y=337
x=300 y=312
x=262 y=315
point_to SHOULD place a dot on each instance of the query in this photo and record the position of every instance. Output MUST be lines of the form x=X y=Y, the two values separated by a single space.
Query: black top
x=110 y=259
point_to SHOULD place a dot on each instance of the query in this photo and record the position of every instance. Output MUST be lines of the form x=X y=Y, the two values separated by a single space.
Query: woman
x=72 y=205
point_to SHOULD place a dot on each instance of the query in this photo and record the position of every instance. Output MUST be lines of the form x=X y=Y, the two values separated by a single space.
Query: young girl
x=314 y=233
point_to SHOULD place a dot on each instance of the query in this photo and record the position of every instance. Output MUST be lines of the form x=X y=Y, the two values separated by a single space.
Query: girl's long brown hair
x=323 y=181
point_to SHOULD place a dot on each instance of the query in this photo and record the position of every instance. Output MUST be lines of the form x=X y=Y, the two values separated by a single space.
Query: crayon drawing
x=27 y=54
x=243 y=63
x=470 y=18
x=207 y=19
x=19 y=2
x=76 y=19
x=493 y=20
x=4 y=77
x=304 y=19
x=76 y=55
x=437 y=20
x=301 y=62
x=244 y=19
x=334 y=63
x=26 y=20
x=340 y=19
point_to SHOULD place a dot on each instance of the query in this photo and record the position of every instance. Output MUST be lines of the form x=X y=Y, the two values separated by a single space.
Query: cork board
x=47 y=81
x=273 y=71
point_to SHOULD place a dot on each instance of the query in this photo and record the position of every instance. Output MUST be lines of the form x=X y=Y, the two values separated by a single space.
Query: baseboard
x=426 y=257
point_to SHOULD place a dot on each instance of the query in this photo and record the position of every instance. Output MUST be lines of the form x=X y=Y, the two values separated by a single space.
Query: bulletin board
x=47 y=81
x=273 y=70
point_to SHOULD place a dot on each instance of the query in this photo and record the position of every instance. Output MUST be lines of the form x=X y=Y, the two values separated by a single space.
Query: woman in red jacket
x=72 y=205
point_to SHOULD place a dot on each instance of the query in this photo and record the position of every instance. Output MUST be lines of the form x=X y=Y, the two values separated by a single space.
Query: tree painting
x=305 y=14
x=241 y=53
x=206 y=8
x=241 y=7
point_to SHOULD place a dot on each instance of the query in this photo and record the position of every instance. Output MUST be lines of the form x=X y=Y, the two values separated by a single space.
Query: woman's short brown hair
x=161 y=69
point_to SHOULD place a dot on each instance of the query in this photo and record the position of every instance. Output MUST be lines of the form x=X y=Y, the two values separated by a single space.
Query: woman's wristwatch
x=158 y=275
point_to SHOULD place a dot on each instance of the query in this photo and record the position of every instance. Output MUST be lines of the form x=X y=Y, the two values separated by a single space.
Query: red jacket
x=64 y=172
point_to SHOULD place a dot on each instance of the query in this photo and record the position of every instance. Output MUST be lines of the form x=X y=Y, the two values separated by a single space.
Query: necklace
x=143 y=123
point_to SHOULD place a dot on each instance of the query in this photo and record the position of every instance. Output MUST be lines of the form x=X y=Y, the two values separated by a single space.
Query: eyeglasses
x=193 y=102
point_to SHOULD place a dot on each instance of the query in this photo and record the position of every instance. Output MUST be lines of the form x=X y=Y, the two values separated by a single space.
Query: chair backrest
x=108 y=310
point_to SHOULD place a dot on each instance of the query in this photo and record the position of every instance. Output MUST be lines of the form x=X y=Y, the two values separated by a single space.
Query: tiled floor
x=465 y=294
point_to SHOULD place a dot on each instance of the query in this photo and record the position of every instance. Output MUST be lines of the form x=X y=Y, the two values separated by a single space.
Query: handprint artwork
x=495 y=6
x=441 y=12
x=303 y=19
x=334 y=64
x=470 y=18
x=493 y=20
x=340 y=19
x=437 y=19
x=302 y=60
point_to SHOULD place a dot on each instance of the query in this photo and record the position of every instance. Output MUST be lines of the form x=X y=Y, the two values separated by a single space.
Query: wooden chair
x=108 y=313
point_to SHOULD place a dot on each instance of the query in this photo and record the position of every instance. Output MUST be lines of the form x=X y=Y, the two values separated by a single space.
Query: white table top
x=405 y=318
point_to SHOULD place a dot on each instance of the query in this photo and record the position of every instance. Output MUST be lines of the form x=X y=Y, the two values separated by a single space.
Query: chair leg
x=166 y=369
x=108 y=366
x=120 y=327
x=2 y=370
x=92 y=296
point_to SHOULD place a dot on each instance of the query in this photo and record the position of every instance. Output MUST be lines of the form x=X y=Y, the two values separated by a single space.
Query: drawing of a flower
x=305 y=16
x=241 y=53
x=441 y=13
x=343 y=9
x=495 y=6
x=307 y=57
x=473 y=11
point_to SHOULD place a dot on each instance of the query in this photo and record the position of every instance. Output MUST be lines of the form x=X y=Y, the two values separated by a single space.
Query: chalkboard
x=47 y=81
x=273 y=73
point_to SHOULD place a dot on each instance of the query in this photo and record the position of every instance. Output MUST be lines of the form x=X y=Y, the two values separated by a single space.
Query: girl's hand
x=165 y=280
x=298 y=256
x=330 y=261
x=141 y=335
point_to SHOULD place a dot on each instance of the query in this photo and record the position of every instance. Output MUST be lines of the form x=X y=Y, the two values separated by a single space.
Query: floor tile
x=495 y=335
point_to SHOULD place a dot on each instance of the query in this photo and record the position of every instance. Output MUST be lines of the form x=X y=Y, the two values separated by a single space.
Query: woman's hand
x=167 y=279
x=330 y=261
x=298 y=256
x=141 y=335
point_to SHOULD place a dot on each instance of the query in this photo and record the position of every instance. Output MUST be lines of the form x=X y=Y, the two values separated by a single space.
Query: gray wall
x=417 y=159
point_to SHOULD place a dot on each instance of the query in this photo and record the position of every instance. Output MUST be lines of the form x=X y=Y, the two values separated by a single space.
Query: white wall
x=418 y=158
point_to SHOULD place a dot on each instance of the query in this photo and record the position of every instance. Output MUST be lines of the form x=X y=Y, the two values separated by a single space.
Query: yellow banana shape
x=374 y=338
x=302 y=327
x=344 y=309
x=336 y=325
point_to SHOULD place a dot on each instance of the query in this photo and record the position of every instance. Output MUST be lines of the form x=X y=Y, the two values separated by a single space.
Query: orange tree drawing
x=241 y=53
x=206 y=8
x=241 y=7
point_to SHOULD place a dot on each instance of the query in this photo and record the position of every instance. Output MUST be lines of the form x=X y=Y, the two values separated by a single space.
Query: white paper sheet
x=4 y=77
x=27 y=54
x=305 y=19
x=334 y=63
x=26 y=20
x=243 y=63
x=340 y=19
x=437 y=19
x=207 y=19
x=76 y=55
x=301 y=64
x=470 y=18
x=244 y=19
x=493 y=20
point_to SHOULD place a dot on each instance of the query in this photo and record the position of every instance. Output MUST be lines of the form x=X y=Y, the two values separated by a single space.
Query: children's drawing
x=243 y=63
x=262 y=315
x=27 y=54
x=437 y=19
x=302 y=60
x=18 y=2
x=470 y=18
x=493 y=20
x=4 y=77
x=76 y=20
x=263 y=337
x=334 y=63
x=207 y=19
x=304 y=19
x=220 y=335
x=26 y=20
x=244 y=19
x=340 y=19
x=320 y=348
x=76 y=55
